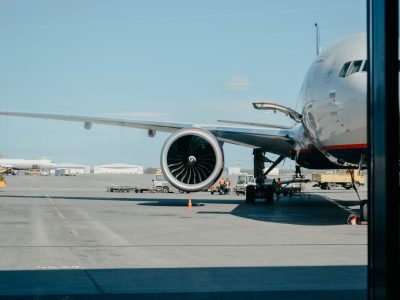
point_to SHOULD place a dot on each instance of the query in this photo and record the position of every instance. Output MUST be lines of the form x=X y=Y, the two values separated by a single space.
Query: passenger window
x=344 y=69
x=355 y=67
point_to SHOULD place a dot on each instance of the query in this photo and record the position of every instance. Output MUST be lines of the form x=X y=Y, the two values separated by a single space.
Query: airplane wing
x=157 y=126
x=272 y=140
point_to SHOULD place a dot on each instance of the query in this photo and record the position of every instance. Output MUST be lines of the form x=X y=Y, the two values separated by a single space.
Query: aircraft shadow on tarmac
x=348 y=203
x=292 y=213
x=287 y=282
x=148 y=201
x=311 y=210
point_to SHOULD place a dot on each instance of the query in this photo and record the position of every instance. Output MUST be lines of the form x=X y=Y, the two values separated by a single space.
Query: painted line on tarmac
x=75 y=232
x=52 y=205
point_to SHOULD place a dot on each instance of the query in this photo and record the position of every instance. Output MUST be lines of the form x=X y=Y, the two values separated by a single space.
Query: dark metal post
x=259 y=166
x=383 y=140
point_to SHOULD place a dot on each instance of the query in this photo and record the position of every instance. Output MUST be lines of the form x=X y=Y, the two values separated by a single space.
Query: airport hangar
x=118 y=168
x=74 y=169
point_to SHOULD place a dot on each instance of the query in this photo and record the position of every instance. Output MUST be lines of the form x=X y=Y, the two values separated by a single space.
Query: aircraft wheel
x=364 y=210
x=165 y=189
x=250 y=194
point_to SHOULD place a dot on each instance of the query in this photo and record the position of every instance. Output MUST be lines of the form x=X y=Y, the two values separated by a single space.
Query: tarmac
x=67 y=238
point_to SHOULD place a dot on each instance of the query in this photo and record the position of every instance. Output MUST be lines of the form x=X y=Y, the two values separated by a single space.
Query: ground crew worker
x=222 y=183
x=227 y=182
x=274 y=184
x=276 y=187
x=279 y=183
x=298 y=171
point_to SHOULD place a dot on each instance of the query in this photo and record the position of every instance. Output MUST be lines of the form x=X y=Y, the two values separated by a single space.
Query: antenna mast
x=318 y=49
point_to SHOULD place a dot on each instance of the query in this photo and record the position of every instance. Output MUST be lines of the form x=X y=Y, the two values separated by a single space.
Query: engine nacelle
x=192 y=159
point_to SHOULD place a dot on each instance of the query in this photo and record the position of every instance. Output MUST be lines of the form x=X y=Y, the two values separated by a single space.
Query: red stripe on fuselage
x=335 y=147
x=342 y=147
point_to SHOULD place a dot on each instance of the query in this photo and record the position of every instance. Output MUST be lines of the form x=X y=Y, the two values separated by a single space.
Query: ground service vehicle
x=32 y=172
x=160 y=184
x=223 y=189
x=220 y=189
x=213 y=189
x=329 y=181
x=293 y=188
x=242 y=181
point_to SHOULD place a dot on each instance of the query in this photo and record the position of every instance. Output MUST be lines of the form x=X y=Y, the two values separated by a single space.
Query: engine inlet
x=192 y=159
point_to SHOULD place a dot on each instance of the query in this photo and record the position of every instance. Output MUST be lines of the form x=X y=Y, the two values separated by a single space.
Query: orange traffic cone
x=3 y=183
x=190 y=202
x=352 y=220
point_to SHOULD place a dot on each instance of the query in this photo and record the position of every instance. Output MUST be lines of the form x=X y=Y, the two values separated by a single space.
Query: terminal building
x=234 y=171
x=71 y=169
x=118 y=168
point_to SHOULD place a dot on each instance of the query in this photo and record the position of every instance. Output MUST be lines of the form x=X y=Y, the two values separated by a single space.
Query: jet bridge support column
x=383 y=156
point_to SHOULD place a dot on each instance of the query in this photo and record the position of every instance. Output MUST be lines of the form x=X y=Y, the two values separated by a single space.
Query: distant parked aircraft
x=26 y=164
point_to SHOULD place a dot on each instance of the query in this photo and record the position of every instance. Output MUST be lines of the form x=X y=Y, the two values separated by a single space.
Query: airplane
x=328 y=131
x=26 y=164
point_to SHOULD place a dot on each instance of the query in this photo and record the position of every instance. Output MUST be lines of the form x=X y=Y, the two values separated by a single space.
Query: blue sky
x=189 y=61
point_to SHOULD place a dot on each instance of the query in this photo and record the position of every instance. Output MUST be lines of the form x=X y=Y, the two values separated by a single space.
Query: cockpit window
x=343 y=71
x=355 y=67
x=365 y=67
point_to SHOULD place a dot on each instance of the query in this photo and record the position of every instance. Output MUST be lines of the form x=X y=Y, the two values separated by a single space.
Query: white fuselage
x=333 y=98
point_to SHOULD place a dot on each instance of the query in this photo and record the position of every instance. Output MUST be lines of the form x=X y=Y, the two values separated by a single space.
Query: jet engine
x=192 y=159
